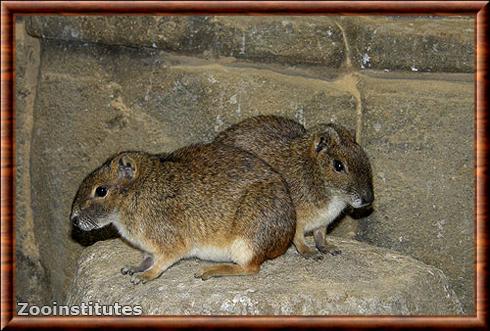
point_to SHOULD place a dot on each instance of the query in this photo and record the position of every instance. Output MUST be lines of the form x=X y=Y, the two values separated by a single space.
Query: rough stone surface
x=31 y=282
x=291 y=40
x=411 y=44
x=419 y=135
x=392 y=43
x=362 y=280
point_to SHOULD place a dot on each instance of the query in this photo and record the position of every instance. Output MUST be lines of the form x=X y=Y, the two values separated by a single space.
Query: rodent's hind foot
x=221 y=270
x=206 y=273
x=200 y=274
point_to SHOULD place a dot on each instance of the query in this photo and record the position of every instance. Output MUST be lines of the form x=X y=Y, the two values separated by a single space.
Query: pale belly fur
x=326 y=215
x=239 y=252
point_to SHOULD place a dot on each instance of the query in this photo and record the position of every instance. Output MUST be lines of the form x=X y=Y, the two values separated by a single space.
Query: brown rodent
x=326 y=170
x=210 y=201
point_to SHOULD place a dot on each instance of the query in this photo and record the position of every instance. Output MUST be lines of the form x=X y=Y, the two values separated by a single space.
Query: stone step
x=362 y=280
x=290 y=40
x=419 y=44
x=383 y=43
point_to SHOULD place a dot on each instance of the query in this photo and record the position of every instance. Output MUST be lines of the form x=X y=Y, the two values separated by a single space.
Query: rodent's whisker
x=91 y=222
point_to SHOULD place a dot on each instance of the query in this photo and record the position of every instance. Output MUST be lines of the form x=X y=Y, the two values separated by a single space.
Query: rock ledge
x=362 y=280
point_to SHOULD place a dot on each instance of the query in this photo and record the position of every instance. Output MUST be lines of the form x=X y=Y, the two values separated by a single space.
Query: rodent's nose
x=75 y=220
x=368 y=198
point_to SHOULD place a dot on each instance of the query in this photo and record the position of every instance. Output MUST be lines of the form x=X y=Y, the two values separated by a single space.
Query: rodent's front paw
x=138 y=279
x=317 y=256
x=332 y=250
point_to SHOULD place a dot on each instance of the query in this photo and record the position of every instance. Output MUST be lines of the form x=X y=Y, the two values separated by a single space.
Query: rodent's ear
x=348 y=133
x=352 y=132
x=325 y=138
x=126 y=167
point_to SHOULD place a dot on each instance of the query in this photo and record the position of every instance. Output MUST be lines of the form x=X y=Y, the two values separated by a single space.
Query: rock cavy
x=209 y=201
x=326 y=170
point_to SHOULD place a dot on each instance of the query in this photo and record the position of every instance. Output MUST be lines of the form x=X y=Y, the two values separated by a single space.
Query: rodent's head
x=344 y=164
x=99 y=196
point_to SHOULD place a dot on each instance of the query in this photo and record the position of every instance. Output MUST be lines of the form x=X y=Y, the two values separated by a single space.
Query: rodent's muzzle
x=75 y=220
x=84 y=223
x=365 y=200
x=368 y=198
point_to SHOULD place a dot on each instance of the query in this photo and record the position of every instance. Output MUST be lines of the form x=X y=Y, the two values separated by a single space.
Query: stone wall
x=88 y=87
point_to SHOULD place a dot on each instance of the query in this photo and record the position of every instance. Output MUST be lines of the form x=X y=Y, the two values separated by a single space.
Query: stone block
x=363 y=280
x=423 y=44
x=287 y=39
x=419 y=135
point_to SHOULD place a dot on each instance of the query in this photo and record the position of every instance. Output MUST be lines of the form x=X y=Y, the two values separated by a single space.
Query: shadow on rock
x=88 y=238
x=361 y=212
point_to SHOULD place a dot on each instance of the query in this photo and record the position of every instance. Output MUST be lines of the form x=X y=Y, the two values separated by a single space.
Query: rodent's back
x=267 y=136
x=219 y=165
x=211 y=180
x=263 y=127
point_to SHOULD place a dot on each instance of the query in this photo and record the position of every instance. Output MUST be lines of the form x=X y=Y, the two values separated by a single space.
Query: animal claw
x=137 y=279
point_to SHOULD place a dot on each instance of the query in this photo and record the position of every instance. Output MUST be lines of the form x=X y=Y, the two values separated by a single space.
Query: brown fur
x=212 y=201
x=305 y=158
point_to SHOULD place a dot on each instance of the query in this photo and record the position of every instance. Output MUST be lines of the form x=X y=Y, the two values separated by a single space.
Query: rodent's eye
x=338 y=166
x=101 y=191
